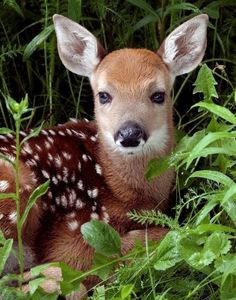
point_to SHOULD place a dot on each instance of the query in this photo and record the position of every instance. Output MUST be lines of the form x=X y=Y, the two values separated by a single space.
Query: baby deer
x=96 y=169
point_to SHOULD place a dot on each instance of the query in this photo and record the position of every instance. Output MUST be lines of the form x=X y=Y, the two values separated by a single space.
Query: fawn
x=96 y=169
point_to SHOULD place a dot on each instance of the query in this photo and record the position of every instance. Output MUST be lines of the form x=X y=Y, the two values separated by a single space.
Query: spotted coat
x=67 y=155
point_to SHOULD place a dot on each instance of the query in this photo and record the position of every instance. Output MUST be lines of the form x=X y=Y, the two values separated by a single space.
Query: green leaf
x=102 y=237
x=211 y=137
x=218 y=110
x=103 y=266
x=6 y=130
x=5 y=251
x=144 y=6
x=226 y=265
x=180 y=7
x=35 y=284
x=167 y=253
x=13 y=4
x=126 y=291
x=33 y=133
x=229 y=203
x=37 y=41
x=201 y=259
x=74 y=10
x=218 y=243
x=203 y=228
x=7 y=196
x=145 y=21
x=213 y=175
x=213 y=201
x=71 y=279
x=36 y=271
x=38 y=192
x=212 y=9
x=205 y=83
x=156 y=167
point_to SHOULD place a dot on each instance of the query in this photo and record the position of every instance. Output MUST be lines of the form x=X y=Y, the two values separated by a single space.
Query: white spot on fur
x=79 y=204
x=59 y=177
x=73 y=225
x=64 y=201
x=66 y=155
x=44 y=132
x=94 y=216
x=4 y=149
x=27 y=149
x=13 y=217
x=54 y=180
x=45 y=174
x=38 y=147
x=47 y=145
x=74 y=120
x=2 y=137
x=93 y=138
x=50 y=157
x=106 y=217
x=92 y=193
x=36 y=156
x=68 y=131
x=57 y=199
x=65 y=171
x=31 y=162
x=23 y=133
x=52 y=132
x=58 y=161
x=50 y=139
x=4 y=185
x=61 y=133
x=85 y=157
x=98 y=169
x=80 y=185
x=1 y=216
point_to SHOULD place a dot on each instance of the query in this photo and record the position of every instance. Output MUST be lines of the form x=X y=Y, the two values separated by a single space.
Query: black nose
x=130 y=134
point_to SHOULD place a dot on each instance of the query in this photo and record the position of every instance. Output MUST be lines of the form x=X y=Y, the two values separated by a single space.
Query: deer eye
x=158 y=97
x=104 y=97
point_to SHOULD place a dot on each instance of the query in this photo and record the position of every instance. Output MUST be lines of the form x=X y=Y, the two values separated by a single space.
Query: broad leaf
x=102 y=237
x=205 y=83
x=167 y=253
x=156 y=167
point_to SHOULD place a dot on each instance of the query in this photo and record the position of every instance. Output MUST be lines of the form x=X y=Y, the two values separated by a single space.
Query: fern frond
x=153 y=217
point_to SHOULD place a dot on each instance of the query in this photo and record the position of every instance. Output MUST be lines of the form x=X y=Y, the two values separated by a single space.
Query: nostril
x=130 y=134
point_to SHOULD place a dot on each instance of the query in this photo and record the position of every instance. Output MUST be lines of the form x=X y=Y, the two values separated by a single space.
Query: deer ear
x=79 y=50
x=184 y=48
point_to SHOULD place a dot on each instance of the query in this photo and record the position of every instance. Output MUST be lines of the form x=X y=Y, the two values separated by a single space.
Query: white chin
x=129 y=150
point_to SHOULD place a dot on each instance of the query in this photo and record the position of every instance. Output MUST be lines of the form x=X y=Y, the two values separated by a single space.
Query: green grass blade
x=38 y=192
x=37 y=41
x=213 y=175
x=218 y=110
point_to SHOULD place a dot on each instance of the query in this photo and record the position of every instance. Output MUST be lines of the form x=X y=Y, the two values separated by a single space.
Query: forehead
x=129 y=67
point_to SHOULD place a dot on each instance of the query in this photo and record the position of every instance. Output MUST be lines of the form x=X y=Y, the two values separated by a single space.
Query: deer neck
x=125 y=174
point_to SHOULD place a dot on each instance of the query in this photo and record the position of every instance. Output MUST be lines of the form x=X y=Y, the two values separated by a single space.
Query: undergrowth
x=197 y=258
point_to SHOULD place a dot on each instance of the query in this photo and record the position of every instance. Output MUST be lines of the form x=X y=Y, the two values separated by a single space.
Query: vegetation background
x=197 y=259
